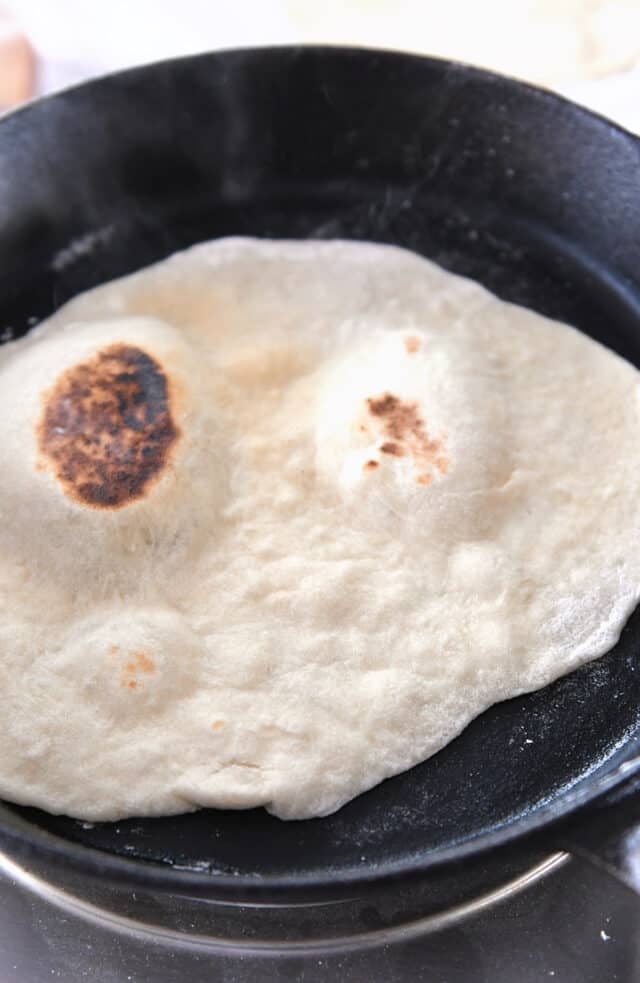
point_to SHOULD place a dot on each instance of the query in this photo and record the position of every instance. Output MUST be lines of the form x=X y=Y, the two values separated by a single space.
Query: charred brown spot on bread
x=371 y=464
x=107 y=429
x=137 y=662
x=391 y=447
x=402 y=423
x=143 y=662
x=383 y=405
x=401 y=420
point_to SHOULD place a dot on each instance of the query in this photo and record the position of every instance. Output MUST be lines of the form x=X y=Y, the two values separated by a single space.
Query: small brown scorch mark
x=371 y=464
x=107 y=429
x=390 y=447
x=143 y=662
x=402 y=423
x=137 y=662
x=411 y=344
x=217 y=725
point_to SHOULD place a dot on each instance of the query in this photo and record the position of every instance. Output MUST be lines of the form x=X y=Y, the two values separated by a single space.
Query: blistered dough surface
x=278 y=519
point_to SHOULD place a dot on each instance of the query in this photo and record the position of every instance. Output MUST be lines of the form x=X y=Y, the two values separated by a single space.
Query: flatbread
x=278 y=519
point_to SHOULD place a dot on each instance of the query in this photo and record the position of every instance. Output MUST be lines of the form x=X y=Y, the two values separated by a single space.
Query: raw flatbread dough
x=278 y=519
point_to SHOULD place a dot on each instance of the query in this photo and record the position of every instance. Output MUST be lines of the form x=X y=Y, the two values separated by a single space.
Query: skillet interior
x=492 y=179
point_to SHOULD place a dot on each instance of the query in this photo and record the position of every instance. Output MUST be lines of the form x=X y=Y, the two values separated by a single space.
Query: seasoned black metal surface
x=533 y=197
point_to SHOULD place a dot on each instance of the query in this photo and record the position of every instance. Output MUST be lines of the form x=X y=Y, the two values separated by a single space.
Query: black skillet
x=530 y=195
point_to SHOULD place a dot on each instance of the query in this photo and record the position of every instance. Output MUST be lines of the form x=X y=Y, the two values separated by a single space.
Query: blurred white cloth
x=617 y=97
x=563 y=44
x=76 y=39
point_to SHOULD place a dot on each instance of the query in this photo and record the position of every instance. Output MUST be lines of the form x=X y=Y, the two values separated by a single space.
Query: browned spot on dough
x=383 y=405
x=114 y=650
x=138 y=661
x=217 y=724
x=107 y=429
x=144 y=662
x=424 y=479
x=371 y=464
x=403 y=424
x=411 y=344
x=390 y=447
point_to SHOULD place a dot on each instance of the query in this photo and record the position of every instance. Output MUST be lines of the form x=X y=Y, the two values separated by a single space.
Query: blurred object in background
x=550 y=42
x=563 y=44
x=17 y=63
x=617 y=97
x=77 y=39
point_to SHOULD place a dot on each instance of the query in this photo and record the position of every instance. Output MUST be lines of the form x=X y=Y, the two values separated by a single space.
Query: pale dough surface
x=393 y=501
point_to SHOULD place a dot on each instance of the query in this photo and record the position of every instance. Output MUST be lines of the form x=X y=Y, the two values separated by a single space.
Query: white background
x=587 y=49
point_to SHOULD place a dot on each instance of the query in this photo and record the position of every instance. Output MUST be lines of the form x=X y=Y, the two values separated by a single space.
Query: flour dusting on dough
x=280 y=518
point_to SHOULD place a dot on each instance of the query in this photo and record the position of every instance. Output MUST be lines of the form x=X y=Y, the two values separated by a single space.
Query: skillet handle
x=607 y=833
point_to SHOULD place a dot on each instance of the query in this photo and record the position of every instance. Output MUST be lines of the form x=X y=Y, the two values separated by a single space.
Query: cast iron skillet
x=532 y=196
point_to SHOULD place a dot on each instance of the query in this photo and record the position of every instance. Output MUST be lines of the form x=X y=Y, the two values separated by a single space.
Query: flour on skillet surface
x=280 y=518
